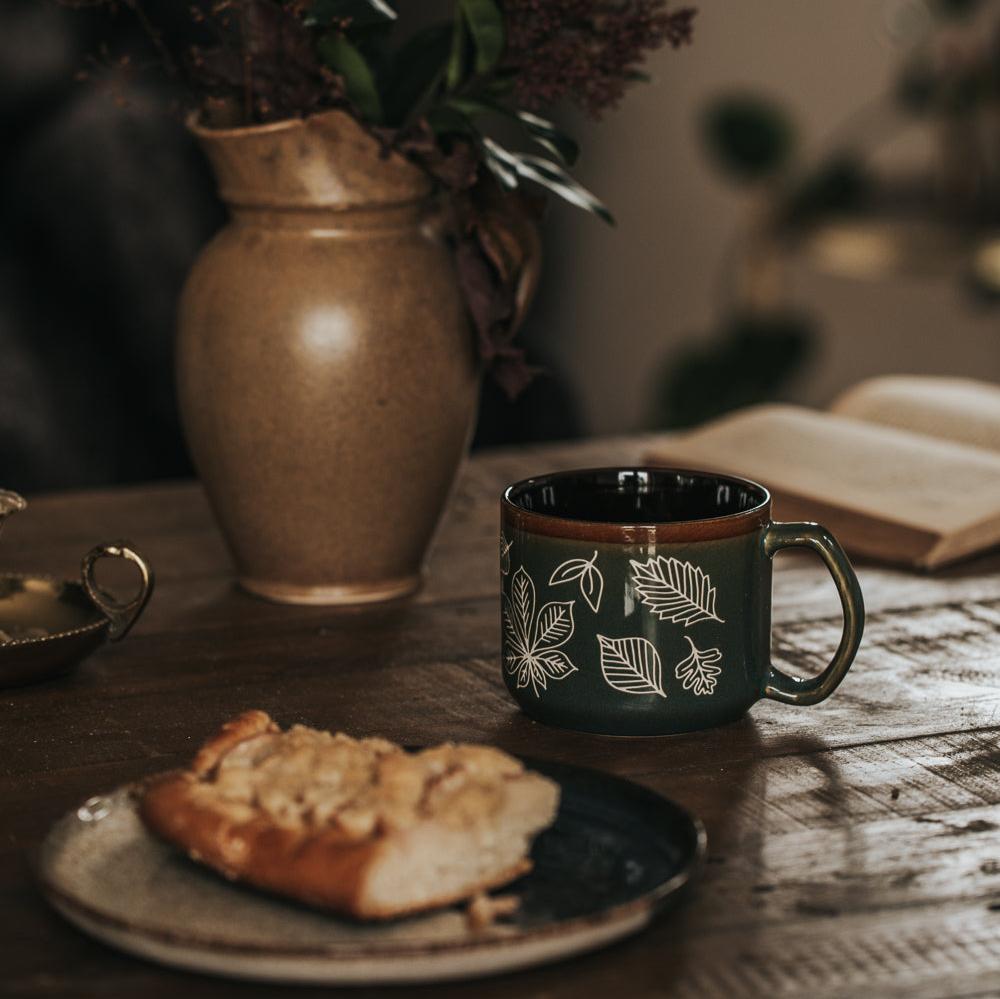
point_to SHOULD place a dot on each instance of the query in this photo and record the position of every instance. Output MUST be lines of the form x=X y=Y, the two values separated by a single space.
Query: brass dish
x=53 y=624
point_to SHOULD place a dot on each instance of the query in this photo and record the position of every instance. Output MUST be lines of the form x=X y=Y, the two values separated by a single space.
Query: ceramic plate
x=616 y=856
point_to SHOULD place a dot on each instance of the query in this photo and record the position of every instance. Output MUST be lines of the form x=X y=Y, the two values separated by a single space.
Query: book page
x=958 y=409
x=861 y=478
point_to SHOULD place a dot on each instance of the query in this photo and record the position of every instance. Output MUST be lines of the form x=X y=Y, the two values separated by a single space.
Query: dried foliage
x=586 y=50
x=437 y=98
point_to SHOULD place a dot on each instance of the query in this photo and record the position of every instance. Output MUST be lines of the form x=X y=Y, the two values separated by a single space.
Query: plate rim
x=649 y=903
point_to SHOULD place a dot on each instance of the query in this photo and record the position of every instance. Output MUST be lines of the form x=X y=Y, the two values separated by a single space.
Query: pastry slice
x=359 y=826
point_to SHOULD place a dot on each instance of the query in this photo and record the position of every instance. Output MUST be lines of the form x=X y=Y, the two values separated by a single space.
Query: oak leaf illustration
x=698 y=671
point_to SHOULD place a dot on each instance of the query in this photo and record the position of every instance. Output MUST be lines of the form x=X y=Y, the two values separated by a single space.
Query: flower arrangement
x=449 y=96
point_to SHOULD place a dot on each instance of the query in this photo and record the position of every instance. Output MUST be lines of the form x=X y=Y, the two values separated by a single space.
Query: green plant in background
x=463 y=97
x=760 y=343
x=949 y=82
x=750 y=358
x=748 y=137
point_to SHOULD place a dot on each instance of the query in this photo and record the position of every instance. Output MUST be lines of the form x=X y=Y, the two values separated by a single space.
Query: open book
x=902 y=468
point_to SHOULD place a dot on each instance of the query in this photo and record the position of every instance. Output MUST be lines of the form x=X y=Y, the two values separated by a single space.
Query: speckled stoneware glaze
x=617 y=855
x=327 y=372
x=637 y=601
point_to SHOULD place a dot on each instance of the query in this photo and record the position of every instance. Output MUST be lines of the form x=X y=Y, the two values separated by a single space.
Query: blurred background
x=806 y=196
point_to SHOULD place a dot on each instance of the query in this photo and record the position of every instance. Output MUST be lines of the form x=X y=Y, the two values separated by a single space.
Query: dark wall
x=103 y=204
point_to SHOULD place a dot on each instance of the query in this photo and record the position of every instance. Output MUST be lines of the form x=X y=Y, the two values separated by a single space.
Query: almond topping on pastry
x=359 y=826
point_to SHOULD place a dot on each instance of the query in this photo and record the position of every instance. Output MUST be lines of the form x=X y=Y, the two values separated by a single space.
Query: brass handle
x=121 y=614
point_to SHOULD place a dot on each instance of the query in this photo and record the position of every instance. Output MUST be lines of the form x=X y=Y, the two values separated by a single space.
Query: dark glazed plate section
x=613 y=843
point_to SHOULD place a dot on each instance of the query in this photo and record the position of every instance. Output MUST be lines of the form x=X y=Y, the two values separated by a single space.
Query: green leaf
x=416 y=72
x=554 y=150
x=750 y=138
x=362 y=13
x=543 y=132
x=486 y=26
x=500 y=84
x=549 y=137
x=445 y=120
x=549 y=175
x=455 y=72
x=469 y=106
x=839 y=185
x=347 y=62
x=552 y=176
x=381 y=7
x=498 y=162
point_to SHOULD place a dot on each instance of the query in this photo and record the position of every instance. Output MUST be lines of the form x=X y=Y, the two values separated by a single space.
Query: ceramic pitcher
x=327 y=371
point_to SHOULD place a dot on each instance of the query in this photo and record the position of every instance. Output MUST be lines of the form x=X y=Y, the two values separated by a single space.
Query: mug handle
x=121 y=614
x=812 y=690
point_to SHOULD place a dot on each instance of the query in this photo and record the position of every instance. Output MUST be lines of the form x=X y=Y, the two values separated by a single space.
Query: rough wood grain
x=855 y=846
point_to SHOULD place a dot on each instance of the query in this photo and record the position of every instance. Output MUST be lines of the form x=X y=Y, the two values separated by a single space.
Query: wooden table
x=854 y=847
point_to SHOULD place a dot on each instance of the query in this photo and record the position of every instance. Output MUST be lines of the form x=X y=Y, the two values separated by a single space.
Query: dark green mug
x=637 y=601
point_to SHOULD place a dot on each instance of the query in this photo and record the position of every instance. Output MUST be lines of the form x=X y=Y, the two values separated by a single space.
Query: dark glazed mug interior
x=636 y=496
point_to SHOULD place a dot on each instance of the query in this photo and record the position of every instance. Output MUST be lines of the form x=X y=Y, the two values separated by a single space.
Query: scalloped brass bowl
x=51 y=625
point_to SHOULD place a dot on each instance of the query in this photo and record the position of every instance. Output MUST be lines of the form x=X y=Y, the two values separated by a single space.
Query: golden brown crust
x=281 y=860
x=250 y=809
x=245 y=726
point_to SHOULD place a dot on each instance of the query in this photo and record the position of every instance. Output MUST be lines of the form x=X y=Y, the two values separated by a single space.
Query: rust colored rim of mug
x=730 y=525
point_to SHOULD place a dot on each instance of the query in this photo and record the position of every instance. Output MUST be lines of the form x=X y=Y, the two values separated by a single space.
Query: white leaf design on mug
x=505 y=547
x=698 y=672
x=554 y=624
x=531 y=645
x=631 y=665
x=674 y=590
x=591 y=580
